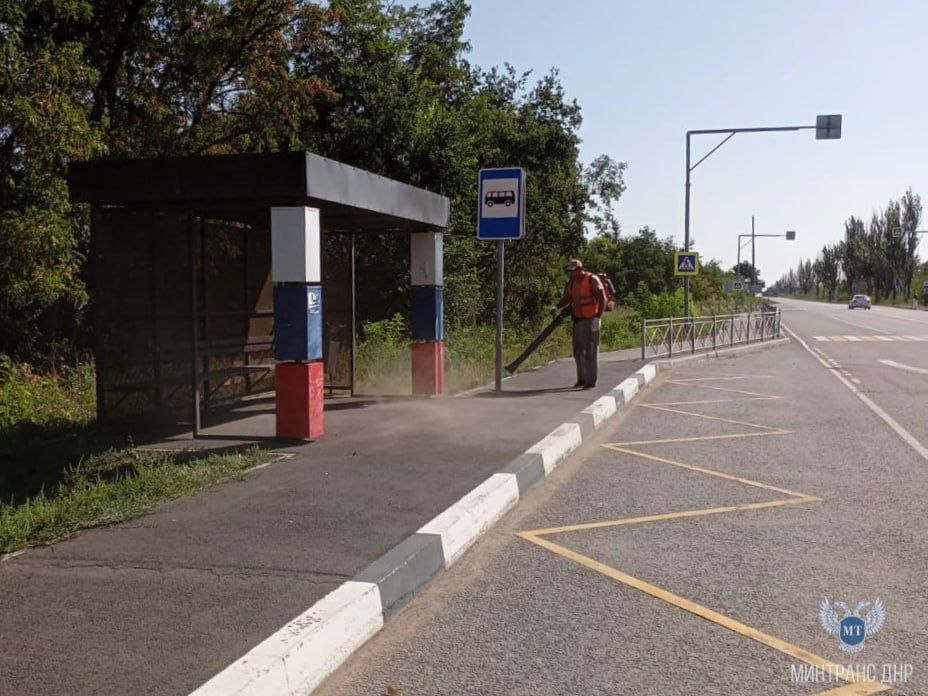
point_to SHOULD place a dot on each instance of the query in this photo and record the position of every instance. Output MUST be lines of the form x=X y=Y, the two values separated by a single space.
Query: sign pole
x=500 y=216
x=500 y=279
x=686 y=227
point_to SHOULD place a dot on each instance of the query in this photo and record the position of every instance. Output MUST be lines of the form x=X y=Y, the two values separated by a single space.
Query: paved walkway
x=160 y=604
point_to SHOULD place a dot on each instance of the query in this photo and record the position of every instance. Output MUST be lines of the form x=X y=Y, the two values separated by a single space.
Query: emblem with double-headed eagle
x=852 y=629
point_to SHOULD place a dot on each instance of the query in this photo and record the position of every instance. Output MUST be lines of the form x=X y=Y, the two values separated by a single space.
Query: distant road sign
x=790 y=235
x=686 y=263
x=501 y=203
x=828 y=127
x=897 y=232
x=732 y=285
x=925 y=284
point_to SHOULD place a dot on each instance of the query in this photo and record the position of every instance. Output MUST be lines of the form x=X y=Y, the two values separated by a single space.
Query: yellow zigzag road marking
x=766 y=397
x=710 y=401
x=687 y=380
x=536 y=536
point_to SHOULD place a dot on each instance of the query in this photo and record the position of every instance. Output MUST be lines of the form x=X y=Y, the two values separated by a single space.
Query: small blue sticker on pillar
x=297 y=323
x=314 y=300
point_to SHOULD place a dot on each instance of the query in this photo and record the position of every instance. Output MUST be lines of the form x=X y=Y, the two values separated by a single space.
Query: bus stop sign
x=501 y=204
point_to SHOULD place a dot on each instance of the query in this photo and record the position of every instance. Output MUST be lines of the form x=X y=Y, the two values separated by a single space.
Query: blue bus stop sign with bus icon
x=501 y=204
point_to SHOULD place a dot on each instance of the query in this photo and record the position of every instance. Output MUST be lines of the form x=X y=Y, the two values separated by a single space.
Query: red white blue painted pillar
x=428 y=332
x=296 y=271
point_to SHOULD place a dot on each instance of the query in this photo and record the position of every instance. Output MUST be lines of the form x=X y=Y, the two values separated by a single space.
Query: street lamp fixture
x=790 y=236
x=827 y=127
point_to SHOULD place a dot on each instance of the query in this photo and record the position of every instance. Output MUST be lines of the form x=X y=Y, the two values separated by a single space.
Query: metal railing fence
x=674 y=335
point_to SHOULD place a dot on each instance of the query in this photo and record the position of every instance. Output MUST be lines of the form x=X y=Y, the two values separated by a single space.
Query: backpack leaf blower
x=541 y=338
x=557 y=321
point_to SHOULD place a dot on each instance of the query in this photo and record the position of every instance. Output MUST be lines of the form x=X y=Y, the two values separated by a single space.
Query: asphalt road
x=160 y=604
x=700 y=539
x=882 y=351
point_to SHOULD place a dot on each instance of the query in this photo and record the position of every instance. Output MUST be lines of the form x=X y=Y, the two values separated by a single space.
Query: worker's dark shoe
x=589 y=386
x=579 y=384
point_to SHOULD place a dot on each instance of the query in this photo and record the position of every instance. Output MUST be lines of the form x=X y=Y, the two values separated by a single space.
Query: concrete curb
x=298 y=657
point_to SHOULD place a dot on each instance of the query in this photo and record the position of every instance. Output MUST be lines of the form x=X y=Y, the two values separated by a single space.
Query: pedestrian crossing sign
x=686 y=263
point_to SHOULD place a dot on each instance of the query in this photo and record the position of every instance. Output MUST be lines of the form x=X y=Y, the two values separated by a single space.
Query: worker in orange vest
x=585 y=294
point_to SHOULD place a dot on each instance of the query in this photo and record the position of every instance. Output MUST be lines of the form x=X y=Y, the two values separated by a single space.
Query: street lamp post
x=827 y=127
x=789 y=235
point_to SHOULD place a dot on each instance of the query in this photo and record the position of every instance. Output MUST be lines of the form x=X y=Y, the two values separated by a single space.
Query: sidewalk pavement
x=160 y=604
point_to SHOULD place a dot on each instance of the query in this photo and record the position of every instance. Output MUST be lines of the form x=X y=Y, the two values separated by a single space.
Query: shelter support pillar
x=428 y=332
x=297 y=275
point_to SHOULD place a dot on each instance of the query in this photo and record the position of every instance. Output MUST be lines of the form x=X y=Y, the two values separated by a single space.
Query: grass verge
x=57 y=476
x=114 y=486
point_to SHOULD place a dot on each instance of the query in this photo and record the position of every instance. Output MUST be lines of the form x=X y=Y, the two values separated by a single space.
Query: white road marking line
x=821 y=338
x=908 y=368
x=916 y=338
x=860 y=326
x=891 y=317
x=900 y=431
x=885 y=338
x=853 y=338
x=855 y=380
x=837 y=338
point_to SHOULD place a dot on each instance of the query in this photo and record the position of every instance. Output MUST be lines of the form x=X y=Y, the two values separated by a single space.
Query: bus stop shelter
x=184 y=254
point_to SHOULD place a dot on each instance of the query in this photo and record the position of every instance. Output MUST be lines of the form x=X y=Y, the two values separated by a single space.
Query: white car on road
x=861 y=301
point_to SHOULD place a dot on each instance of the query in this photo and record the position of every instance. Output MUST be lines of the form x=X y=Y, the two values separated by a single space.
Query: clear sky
x=645 y=71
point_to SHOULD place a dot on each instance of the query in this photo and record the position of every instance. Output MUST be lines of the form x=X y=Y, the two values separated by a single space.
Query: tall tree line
x=368 y=82
x=870 y=259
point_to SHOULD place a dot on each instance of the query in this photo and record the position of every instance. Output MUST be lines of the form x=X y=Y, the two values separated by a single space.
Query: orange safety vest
x=584 y=301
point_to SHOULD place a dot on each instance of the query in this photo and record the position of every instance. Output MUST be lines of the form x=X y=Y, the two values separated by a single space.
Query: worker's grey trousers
x=586 y=351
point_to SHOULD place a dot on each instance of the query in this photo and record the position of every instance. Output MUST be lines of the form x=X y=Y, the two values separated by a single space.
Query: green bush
x=56 y=401
x=382 y=360
x=649 y=305
x=620 y=330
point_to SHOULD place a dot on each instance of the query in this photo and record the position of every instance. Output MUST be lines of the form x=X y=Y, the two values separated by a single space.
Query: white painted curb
x=294 y=660
x=298 y=657
x=464 y=522
x=628 y=387
x=556 y=445
x=601 y=409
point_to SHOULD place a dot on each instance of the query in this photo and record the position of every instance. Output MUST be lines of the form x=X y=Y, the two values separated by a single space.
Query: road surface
x=687 y=548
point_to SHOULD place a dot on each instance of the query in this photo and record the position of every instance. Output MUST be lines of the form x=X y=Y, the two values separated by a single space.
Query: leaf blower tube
x=541 y=338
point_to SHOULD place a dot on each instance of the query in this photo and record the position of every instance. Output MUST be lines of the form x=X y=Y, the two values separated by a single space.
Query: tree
x=605 y=182
x=805 y=278
x=82 y=79
x=368 y=82
x=639 y=259
x=910 y=218
x=709 y=284
x=45 y=101
x=870 y=257
x=827 y=268
x=745 y=270
x=854 y=253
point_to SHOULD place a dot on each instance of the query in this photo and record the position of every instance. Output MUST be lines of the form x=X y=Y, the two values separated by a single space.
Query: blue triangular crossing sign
x=686 y=263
